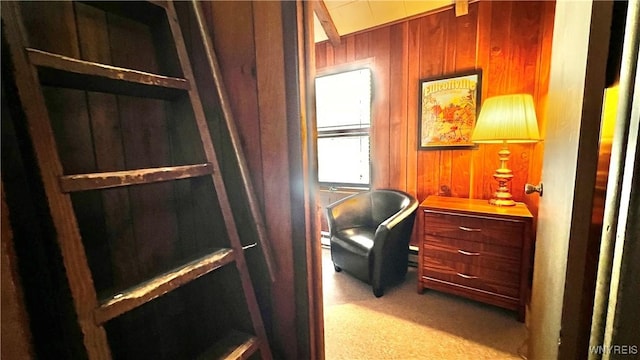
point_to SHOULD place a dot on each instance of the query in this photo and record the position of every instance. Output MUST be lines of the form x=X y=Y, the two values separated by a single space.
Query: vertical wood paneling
x=525 y=44
x=500 y=50
x=413 y=76
x=449 y=46
x=249 y=45
x=330 y=57
x=145 y=142
x=465 y=59
x=449 y=67
x=350 y=45
x=525 y=35
x=275 y=164
x=398 y=132
x=497 y=69
x=69 y=117
x=444 y=180
x=232 y=35
x=540 y=95
x=508 y=40
x=103 y=111
x=17 y=341
x=380 y=151
x=483 y=54
x=321 y=55
x=340 y=53
x=432 y=57
x=490 y=163
x=466 y=34
x=461 y=170
x=361 y=46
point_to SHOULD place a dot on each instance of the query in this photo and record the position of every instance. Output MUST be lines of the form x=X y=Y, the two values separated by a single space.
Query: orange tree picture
x=448 y=110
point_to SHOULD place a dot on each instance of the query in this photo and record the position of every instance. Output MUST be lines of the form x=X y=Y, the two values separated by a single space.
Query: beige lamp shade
x=507 y=118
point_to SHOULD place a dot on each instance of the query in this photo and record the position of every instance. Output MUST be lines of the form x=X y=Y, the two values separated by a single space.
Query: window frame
x=336 y=133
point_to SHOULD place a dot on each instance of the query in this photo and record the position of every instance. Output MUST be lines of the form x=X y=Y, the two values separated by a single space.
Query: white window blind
x=343 y=112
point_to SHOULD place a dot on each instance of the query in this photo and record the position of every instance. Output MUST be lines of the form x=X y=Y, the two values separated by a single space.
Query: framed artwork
x=448 y=109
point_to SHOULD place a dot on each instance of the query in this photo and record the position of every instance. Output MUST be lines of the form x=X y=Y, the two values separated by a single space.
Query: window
x=343 y=112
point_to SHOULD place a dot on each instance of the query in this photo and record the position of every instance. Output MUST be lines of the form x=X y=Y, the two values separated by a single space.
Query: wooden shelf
x=105 y=180
x=160 y=285
x=62 y=71
x=236 y=345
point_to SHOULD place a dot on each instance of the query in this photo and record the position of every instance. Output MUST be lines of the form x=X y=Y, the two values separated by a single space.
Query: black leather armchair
x=369 y=234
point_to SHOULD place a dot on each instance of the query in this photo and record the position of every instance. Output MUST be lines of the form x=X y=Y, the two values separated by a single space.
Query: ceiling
x=350 y=16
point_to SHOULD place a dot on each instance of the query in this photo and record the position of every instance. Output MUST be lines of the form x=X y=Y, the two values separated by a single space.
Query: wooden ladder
x=37 y=69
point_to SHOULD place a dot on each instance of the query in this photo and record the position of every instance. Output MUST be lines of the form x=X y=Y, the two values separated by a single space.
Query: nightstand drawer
x=490 y=256
x=474 y=228
x=473 y=249
x=498 y=282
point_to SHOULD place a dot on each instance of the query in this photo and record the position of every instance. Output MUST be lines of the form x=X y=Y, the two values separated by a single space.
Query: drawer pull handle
x=467 y=276
x=464 y=228
x=468 y=253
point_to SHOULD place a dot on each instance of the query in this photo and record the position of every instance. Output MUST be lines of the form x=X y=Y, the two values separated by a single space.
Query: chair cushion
x=358 y=239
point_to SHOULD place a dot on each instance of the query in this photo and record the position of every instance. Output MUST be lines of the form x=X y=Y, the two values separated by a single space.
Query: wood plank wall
x=249 y=42
x=134 y=233
x=509 y=40
x=15 y=331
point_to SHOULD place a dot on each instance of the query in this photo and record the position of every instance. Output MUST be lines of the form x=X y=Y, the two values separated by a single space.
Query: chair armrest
x=396 y=228
x=401 y=215
x=391 y=242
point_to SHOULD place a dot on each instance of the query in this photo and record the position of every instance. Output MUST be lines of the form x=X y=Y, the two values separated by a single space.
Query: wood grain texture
x=145 y=143
x=105 y=180
x=380 y=128
x=411 y=86
x=398 y=94
x=93 y=38
x=248 y=40
x=79 y=276
x=98 y=70
x=508 y=40
x=270 y=70
x=231 y=25
x=15 y=331
x=476 y=250
x=160 y=285
x=104 y=137
x=322 y=13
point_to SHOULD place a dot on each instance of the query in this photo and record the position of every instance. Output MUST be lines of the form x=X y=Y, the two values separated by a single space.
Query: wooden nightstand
x=476 y=250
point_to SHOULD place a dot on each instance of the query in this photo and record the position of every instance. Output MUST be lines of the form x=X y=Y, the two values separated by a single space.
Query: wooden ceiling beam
x=321 y=11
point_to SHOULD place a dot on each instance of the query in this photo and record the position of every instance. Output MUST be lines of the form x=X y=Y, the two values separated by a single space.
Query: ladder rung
x=236 y=345
x=160 y=285
x=60 y=70
x=105 y=180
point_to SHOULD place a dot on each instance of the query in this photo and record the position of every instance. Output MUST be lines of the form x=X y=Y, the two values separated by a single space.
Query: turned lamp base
x=503 y=175
x=502 y=202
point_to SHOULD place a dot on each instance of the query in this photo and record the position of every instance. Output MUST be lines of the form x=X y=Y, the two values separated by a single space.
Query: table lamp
x=506 y=119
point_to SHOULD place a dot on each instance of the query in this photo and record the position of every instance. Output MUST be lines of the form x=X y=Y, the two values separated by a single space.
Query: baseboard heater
x=413 y=256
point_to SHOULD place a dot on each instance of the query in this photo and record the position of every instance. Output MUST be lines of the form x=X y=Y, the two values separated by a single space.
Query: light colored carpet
x=406 y=325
